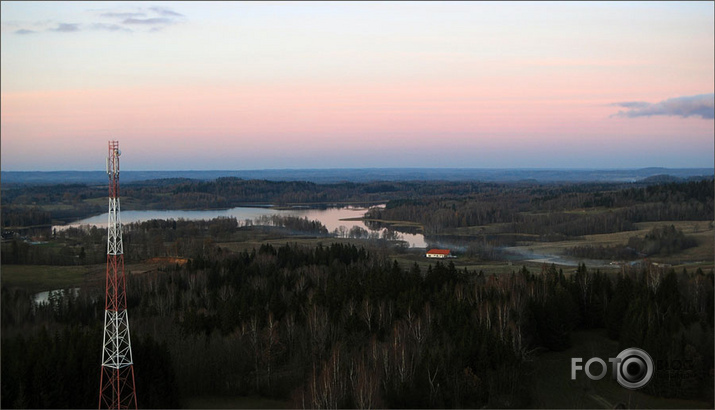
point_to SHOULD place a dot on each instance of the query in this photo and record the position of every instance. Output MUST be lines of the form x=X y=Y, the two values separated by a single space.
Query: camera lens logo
x=634 y=368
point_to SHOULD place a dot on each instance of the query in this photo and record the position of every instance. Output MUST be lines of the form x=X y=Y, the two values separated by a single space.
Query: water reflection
x=333 y=218
x=44 y=297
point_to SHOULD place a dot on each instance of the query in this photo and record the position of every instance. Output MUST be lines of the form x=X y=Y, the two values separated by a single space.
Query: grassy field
x=553 y=387
x=699 y=256
x=38 y=278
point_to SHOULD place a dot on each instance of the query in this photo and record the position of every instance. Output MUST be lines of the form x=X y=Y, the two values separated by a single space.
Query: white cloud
x=66 y=27
x=695 y=105
x=151 y=18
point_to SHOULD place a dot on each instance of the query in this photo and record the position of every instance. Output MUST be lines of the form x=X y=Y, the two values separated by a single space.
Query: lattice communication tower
x=117 y=388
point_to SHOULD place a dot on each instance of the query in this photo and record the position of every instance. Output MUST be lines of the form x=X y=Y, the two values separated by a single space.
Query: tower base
x=117 y=388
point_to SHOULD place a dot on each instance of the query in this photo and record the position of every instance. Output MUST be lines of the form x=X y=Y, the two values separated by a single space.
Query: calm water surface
x=332 y=218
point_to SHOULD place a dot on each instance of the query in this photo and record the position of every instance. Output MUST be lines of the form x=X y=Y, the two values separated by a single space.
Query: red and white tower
x=117 y=389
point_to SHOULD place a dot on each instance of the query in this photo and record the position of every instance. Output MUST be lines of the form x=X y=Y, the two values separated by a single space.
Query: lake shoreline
x=339 y=220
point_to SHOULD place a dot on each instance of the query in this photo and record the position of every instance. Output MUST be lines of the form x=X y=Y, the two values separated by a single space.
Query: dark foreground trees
x=341 y=326
x=60 y=369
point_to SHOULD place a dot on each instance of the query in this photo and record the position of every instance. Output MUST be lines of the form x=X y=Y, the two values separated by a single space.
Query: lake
x=332 y=218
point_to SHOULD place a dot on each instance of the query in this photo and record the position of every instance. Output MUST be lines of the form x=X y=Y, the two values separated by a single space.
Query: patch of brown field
x=167 y=260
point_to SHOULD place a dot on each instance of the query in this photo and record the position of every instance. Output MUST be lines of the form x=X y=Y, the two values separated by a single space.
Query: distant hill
x=369 y=175
x=661 y=179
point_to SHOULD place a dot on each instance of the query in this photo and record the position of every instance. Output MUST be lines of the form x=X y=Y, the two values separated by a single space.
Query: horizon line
x=375 y=168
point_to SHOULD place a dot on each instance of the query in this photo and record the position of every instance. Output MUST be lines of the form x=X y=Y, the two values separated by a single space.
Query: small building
x=439 y=253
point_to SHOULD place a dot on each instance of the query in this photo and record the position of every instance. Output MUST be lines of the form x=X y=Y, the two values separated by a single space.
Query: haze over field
x=205 y=86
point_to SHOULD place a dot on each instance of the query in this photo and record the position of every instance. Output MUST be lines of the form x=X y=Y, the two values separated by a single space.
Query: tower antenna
x=117 y=389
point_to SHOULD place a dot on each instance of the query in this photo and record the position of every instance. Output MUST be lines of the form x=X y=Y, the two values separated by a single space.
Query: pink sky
x=344 y=85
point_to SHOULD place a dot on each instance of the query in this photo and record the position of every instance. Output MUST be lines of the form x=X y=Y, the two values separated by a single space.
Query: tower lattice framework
x=117 y=388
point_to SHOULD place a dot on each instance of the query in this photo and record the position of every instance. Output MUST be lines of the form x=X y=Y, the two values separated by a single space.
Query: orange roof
x=439 y=251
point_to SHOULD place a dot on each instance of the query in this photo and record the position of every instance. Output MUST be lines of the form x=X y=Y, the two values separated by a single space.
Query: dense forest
x=548 y=211
x=334 y=324
x=437 y=205
x=341 y=326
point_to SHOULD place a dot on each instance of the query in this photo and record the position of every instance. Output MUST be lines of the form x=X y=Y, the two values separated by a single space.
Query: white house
x=438 y=253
